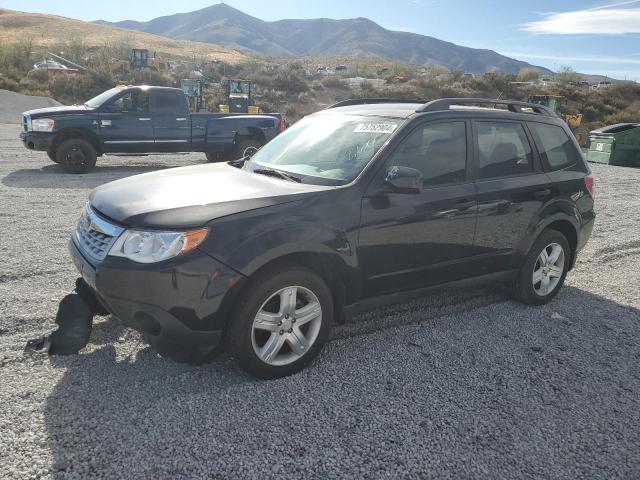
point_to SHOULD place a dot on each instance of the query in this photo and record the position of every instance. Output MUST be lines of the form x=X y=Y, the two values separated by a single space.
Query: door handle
x=464 y=204
x=181 y=119
x=144 y=119
x=543 y=193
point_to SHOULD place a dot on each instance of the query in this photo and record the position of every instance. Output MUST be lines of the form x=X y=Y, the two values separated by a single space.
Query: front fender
x=254 y=252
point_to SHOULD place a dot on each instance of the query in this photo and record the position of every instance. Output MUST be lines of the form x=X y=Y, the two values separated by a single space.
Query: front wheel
x=282 y=323
x=544 y=269
x=76 y=156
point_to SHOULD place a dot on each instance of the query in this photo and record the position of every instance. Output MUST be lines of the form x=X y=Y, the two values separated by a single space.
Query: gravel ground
x=461 y=385
x=13 y=104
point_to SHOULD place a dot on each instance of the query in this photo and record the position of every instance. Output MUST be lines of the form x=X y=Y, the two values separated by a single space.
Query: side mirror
x=404 y=179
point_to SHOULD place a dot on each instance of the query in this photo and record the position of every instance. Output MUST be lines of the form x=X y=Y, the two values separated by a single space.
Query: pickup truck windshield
x=95 y=102
x=326 y=149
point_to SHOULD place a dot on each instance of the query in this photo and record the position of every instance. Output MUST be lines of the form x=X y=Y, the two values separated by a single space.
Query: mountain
x=52 y=30
x=225 y=25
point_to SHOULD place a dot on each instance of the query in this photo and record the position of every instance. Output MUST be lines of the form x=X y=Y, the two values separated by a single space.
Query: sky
x=591 y=36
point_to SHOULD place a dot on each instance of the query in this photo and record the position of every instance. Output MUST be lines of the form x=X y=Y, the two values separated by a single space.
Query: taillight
x=590 y=183
x=283 y=125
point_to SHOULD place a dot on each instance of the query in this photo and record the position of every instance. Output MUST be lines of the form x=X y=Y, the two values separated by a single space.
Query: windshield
x=95 y=102
x=326 y=149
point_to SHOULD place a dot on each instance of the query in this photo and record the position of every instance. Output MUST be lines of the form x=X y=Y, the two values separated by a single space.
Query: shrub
x=334 y=83
x=290 y=80
x=8 y=84
x=80 y=88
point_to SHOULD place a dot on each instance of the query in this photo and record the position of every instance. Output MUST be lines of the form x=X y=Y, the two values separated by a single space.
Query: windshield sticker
x=376 y=128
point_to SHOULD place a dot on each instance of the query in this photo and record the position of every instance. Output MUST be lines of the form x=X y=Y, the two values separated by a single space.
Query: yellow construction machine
x=557 y=104
x=239 y=98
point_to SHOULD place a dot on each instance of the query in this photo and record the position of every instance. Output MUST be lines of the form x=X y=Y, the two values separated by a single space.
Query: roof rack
x=512 y=105
x=365 y=101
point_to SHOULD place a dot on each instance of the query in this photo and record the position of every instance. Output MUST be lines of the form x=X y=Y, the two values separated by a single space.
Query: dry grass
x=15 y=25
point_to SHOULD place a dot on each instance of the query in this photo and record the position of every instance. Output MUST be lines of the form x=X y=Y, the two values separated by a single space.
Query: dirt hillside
x=18 y=25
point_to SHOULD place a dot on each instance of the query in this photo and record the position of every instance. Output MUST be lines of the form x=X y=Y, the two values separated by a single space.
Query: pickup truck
x=140 y=120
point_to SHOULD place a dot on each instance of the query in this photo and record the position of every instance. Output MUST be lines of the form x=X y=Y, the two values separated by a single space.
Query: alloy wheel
x=286 y=325
x=76 y=157
x=249 y=152
x=548 y=269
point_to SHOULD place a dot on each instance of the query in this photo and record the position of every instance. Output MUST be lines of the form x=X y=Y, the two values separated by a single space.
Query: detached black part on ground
x=74 y=319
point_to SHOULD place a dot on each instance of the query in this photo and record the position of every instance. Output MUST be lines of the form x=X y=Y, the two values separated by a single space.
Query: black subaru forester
x=360 y=203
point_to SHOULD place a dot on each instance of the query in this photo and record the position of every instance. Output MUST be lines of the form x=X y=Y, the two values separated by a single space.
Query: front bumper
x=37 y=140
x=181 y=301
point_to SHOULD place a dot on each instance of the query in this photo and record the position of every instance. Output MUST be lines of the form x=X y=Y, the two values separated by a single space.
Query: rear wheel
x=246 y=147
x=544 y=269
x=76 y=155
x=282 y=323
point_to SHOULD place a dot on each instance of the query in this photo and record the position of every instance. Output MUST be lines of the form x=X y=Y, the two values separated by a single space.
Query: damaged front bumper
x=182 y=301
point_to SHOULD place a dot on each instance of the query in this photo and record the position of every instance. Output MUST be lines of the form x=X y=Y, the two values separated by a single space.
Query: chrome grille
x=94 y=235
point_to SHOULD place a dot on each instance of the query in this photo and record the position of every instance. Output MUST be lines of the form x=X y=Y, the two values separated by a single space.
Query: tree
x=568 y=75
x=434 y=70
x=529 y=75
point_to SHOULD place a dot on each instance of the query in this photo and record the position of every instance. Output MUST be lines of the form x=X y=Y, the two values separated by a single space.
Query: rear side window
x=503 y=150
x=557 y=151
x=438 y=150
x=166 y=101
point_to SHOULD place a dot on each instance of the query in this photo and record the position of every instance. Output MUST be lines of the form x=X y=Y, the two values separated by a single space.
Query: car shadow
x=531 y=366
x=53 y=176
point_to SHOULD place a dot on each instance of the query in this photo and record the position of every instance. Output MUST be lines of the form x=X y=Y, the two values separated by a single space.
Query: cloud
x=618 y=60
x=605 y=20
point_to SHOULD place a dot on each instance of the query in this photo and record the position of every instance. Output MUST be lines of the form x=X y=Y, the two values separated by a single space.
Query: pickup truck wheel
x=51 y=153
x=76 y=156
x=246 y=147
x=282 y=321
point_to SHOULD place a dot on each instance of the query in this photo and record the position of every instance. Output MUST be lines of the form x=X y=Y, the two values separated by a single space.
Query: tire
x=527 y=289
x=76 y=156
x=582 y=136
x=280 y=324
x=246 y=147
x=51 y=153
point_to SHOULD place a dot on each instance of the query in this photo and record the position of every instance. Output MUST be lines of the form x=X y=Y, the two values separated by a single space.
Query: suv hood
x=41 y=112
x=190 y=197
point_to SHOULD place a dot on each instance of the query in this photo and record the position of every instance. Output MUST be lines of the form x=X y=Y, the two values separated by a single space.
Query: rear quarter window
x=557 y=150
x=503 y=149
x=166 y=102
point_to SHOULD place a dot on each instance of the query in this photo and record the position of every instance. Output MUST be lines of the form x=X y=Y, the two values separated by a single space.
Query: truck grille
x=94 y=235
x=25 y=123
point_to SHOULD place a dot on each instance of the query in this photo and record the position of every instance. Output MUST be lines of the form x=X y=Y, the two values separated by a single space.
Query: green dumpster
x=616 y=145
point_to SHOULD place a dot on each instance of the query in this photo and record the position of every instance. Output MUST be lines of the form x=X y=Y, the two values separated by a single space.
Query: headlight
x=42 y=125
x=153 y=246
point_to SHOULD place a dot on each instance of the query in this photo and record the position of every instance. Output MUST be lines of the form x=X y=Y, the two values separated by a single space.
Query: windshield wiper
x=277 y=173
